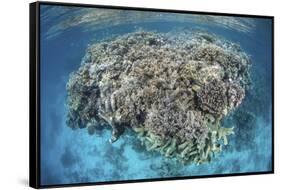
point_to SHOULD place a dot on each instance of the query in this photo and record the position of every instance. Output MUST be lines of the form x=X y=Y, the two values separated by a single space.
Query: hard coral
x=173 y=91
x=212 y=98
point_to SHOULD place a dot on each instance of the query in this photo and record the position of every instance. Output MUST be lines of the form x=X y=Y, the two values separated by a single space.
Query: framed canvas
x=123 y=94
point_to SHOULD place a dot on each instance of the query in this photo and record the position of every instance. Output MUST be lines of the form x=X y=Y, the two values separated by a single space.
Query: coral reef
x=172 y=91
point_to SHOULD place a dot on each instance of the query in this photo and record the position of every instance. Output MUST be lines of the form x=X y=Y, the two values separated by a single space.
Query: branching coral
x=212 y=98
x=172 y=91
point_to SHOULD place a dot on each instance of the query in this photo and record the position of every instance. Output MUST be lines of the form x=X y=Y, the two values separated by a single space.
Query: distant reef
x=172 y=90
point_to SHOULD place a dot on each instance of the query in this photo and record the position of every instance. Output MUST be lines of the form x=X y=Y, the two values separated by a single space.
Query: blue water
x=74 y=156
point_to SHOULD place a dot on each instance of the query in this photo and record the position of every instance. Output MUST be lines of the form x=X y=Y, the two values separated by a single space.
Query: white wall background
x=14 y=92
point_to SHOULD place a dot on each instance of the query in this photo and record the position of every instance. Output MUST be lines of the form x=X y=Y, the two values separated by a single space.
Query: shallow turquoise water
x=69 y=156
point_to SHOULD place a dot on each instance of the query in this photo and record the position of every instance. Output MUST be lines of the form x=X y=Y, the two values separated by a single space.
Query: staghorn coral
x=172 y=91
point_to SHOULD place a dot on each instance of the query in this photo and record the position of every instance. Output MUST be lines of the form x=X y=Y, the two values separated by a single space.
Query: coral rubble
x=172 y=91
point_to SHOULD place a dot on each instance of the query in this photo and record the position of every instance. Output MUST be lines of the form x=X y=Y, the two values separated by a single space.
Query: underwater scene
x=132 y=95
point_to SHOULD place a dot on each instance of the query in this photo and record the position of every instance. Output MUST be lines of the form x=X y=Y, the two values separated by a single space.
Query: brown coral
x=212 y=97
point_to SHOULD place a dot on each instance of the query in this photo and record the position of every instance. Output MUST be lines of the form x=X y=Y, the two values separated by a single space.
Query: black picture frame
x=34 y=93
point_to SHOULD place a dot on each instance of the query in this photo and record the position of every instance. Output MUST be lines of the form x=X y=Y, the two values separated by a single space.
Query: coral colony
x=172 y=92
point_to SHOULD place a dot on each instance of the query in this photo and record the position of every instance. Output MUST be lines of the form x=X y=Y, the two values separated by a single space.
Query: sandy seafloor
x=69 y=156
